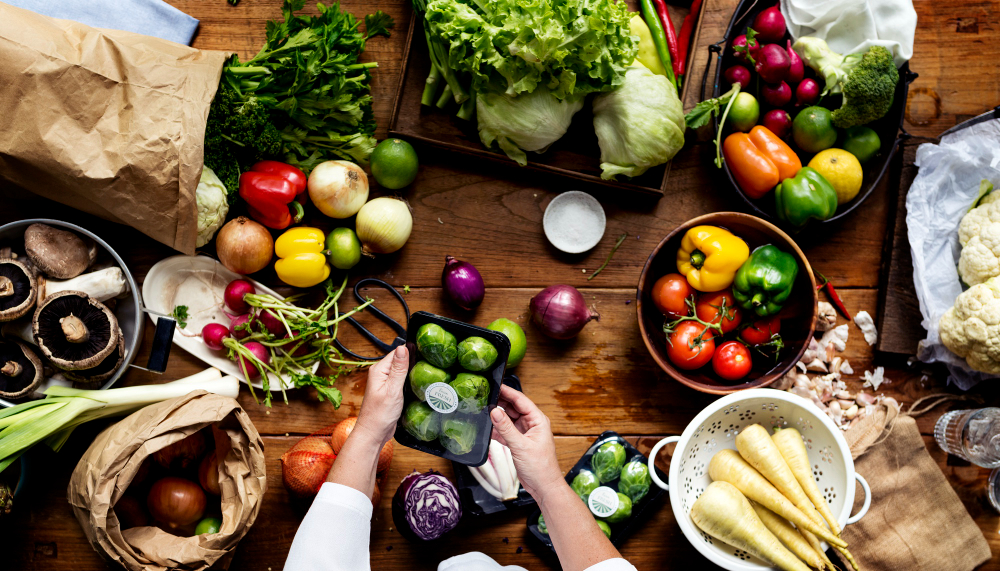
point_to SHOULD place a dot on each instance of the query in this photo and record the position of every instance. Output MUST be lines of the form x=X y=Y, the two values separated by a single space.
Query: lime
x=744 y=113
x=842 y=170
x=514 y=333
x=394 y=163
x=862 y=142
x=344 y=248
x=812 y=130
x=208 y=525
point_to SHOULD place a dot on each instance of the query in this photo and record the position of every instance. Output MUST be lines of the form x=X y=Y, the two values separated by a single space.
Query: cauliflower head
x=979 y=235
x=971 y=328
x=212 y=205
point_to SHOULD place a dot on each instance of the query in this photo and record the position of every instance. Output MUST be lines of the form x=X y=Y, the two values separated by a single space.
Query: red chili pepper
x=684 y=39
x=668 y=29
x=834 y=296
x=270 y=188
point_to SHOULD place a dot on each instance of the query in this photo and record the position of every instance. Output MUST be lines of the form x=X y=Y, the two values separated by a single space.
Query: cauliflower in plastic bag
x=971 y=328
x=212 y=205
x=979 y=234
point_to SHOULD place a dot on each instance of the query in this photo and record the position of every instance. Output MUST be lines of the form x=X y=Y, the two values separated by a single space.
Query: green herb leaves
x=702 y=112
x=379 y=24
x=180 y=315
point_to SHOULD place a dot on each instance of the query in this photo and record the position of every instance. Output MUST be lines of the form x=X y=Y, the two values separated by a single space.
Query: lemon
x=394 y=164
x=842 y=170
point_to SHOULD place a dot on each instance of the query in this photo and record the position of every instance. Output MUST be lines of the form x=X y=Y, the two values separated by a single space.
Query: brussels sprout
x=437 y=345
x=607 y=462
x=634 y=481
x=476 y=354
x=583 y=483
x=420 y=420
x=542 y=528
x=458 y=435
x=424 y=375
x=604 y=527
x=473 y=392
x=623 y=512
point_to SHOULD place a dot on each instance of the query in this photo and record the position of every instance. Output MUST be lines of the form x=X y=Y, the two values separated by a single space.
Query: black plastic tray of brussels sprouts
x=610 y=462
x=456 y=370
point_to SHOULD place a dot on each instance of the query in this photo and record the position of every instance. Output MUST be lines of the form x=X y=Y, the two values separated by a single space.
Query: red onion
x=560 y=311
x=772 y=63
x=258 y=351
x=236 y=326
x=778 y=121
x=738 y=74
x=770 y=25
x=234 y=295
x=796 y=69
x=213 y=334
x=426 y=506
x=807 y=93
x=741 y=42
x=776 y=95
x=462 y=283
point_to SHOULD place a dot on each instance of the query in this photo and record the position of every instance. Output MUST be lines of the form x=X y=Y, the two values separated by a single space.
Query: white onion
x=338 y=188
x=384 y=225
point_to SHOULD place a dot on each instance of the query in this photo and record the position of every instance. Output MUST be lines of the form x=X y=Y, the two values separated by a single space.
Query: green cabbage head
x=639 y=125
x=212 y=205
x=528 y=122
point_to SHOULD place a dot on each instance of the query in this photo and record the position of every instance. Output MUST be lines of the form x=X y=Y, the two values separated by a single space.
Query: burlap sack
x=105 y=121
x=109 y=465
x=916 y=521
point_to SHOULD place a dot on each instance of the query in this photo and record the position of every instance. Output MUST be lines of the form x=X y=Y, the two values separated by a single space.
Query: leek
x=53 y=418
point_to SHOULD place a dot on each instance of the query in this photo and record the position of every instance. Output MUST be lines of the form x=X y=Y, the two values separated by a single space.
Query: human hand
x=383 y=402
x=527 y=432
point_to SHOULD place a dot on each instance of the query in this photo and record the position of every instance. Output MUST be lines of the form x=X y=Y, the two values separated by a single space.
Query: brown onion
x=182 y=453
x=130 y=513
x=305 y=466
x=341 y=432
x=244 y=246
x=176 y=502
x=208 y=474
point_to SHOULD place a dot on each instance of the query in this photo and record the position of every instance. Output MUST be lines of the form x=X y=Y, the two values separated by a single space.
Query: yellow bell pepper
x=302 y=262
x=709 y=257
x=646 y=55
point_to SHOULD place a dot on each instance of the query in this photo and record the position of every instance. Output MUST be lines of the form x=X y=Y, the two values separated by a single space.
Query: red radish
x=807 y=92
x=772 y=63
x=770 y=25
x=778 y=121
x=258 y=351
x=213 y=334
x=796 y=69
x=738 y=74
x=236 y=326
x=777 y=95
x=272 y=324
x=234 y=295
x=741 y=42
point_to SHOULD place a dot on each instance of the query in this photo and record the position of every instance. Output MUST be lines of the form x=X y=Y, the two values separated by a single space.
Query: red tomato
x=761 y=331
x=687 y=348
x=709 y=309
x=732 y=361
x=670 y=295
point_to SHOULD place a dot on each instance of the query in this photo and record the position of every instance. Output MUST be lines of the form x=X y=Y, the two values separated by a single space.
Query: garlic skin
x=826 y=316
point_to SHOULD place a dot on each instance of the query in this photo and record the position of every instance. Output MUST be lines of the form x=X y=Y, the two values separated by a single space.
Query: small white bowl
x=574 y=222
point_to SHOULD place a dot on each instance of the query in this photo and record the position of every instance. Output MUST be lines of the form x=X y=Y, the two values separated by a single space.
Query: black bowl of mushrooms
x=69 y=309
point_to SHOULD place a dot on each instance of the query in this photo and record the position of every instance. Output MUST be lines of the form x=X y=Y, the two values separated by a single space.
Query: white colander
x=716 y=427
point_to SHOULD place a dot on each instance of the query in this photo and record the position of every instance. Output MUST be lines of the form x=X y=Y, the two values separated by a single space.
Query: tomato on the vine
x=710 y=308
x=690 y=346
x=732 y=361
x=761 y=331
x=670 y=295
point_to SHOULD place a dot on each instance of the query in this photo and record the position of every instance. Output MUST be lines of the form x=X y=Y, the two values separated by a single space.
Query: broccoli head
x=867 y=80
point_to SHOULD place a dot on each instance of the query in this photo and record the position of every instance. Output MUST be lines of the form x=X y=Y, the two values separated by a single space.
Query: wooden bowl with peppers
x=726 y=302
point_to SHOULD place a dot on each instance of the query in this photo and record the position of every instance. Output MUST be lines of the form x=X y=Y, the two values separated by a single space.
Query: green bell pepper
x=764 y=282
x=806 y=195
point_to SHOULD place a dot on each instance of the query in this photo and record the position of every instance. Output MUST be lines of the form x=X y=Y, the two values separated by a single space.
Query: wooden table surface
x=602 y=380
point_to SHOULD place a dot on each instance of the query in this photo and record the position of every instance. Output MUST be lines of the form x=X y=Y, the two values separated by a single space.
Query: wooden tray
x=575 y=158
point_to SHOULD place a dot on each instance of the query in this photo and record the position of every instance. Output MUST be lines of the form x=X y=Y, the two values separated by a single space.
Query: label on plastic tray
x=603 y=501
x=442 y=398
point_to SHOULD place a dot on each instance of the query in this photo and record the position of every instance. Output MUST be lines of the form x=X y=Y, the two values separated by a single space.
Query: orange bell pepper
x=759 y=160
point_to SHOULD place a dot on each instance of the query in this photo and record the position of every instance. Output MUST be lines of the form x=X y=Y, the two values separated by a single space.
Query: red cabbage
x=426 y=506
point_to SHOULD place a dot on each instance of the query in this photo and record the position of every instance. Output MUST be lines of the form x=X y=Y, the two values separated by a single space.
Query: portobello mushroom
x=20 y=369
x=17 y=289
x=103 y=371
x=74 y=331
x=58 y=253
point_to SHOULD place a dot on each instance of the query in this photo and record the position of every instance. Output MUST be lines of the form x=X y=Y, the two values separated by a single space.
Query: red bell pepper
x=270 y=188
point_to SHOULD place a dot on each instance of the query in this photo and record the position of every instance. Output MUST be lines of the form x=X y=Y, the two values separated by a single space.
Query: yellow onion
x=338 y=188
x=384 y=225
x=244 y=246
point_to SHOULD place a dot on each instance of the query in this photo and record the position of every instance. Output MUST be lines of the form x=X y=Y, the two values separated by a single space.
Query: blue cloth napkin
x=148 y=17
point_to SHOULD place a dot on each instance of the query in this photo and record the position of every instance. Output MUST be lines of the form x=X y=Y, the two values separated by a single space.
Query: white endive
x=498 y=475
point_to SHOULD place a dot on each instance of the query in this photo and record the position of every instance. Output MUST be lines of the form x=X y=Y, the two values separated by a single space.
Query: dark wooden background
x=602 y=380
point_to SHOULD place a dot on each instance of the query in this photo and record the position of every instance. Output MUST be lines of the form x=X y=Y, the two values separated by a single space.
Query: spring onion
x=53 y=418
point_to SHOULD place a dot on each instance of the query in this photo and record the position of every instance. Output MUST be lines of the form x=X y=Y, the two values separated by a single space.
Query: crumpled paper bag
x=105 y=121
x=109 y=465
x=944 y=188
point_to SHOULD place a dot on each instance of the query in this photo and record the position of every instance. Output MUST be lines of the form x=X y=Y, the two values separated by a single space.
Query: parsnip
x=793 y=450
x=789 y=536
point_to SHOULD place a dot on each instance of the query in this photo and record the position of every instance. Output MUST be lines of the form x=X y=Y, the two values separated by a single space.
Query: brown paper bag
x=105 y=121
x=109 y=465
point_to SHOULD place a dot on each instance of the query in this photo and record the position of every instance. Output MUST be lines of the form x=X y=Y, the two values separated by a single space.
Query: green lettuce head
x=421 y=421
x=438 y=346
x=607 y=461
x=634 y=481
x=473 y=392
x=458 y=435
x=423 y=375
x=583 y=483
x=639 y=125
x=528 y=122
x=213 y=205
x=476 y=354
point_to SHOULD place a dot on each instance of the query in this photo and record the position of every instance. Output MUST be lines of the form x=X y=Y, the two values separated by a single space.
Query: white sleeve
x=349 y=513
x=612 y=565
